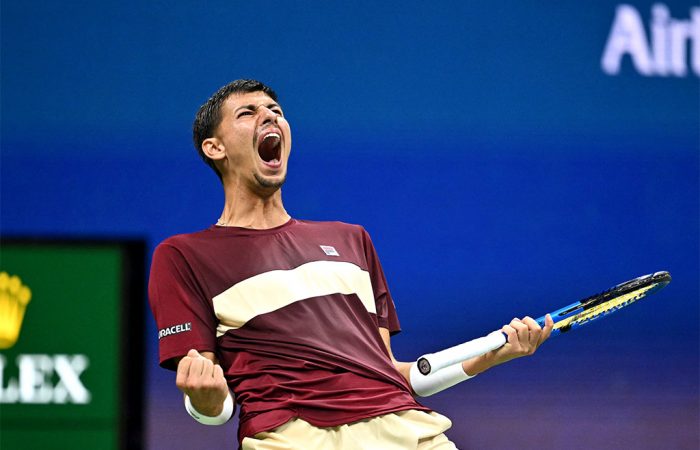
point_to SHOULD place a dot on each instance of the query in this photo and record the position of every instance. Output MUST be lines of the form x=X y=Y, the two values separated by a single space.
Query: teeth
x=272 y=135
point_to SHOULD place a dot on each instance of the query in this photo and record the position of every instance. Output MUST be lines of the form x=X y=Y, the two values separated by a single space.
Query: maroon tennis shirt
x=291 y=312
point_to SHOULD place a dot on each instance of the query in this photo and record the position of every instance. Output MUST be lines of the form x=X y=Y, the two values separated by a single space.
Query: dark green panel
x=63 y=371
x=75 y=437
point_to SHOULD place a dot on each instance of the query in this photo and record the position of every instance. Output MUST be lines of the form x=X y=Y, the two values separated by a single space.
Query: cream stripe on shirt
x=270 y=291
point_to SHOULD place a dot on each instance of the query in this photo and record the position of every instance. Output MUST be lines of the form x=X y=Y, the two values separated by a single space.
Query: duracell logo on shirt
x=175 y=329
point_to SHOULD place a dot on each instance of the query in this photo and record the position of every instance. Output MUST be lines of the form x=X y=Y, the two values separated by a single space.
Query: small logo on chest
x=329 y=251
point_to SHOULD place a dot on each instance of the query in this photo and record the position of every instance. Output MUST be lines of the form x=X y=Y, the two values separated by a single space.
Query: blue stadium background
x=499 y=169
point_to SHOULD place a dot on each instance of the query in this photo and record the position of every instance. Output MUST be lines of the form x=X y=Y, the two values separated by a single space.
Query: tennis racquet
x=565 y=319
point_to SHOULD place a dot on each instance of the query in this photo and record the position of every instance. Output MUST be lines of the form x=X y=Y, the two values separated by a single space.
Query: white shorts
x=396 y=431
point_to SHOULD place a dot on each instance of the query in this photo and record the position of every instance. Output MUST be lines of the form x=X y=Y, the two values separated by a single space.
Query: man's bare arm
x=524 y=337
x=403 y=367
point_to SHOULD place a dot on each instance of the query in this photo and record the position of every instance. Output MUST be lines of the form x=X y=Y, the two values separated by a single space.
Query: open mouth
x=270 y=148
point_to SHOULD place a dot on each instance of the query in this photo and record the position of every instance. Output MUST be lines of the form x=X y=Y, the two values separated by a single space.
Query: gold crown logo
x=14 y=297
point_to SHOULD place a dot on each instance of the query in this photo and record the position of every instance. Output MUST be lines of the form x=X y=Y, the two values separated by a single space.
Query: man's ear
x=214 y=149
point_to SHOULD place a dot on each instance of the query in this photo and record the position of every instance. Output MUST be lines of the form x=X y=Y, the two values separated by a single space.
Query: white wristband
x=222 y=418
x=425 y=385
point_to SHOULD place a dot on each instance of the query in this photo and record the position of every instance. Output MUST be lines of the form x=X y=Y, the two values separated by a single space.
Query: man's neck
x=246 y=209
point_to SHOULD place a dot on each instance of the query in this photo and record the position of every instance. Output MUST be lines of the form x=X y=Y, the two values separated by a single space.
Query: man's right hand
x=200 y=378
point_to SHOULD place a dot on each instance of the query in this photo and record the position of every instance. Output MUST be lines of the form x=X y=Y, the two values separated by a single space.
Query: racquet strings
x=606 y=307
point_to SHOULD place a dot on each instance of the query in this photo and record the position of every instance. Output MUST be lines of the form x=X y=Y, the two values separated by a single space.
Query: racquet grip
x=432 y=362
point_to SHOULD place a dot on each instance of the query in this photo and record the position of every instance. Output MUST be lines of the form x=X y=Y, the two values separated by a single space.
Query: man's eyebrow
x=244 y=107
x=253 y=107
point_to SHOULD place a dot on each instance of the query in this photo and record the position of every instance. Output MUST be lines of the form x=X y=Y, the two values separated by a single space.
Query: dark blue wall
x=499 y=169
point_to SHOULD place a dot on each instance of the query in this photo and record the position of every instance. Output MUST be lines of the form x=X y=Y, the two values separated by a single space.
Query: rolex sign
x=67 y=312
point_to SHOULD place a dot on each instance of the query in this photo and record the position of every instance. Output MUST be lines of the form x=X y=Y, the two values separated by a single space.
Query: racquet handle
x=432 y=362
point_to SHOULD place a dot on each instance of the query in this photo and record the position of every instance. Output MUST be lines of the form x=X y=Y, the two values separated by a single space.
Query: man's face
x=257 y=141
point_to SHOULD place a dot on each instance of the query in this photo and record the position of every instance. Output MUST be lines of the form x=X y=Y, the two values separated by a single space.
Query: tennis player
x=291 y=318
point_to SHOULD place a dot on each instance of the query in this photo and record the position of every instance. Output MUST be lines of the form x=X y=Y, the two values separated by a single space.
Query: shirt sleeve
x=184 y=315
x=386 y=311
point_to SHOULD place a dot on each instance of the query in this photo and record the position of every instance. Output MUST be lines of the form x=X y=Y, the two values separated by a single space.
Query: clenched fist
x=203 y=382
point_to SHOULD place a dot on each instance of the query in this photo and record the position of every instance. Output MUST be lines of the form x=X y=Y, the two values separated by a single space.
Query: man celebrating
x=293 y=316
